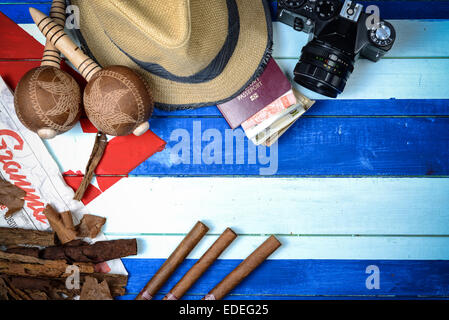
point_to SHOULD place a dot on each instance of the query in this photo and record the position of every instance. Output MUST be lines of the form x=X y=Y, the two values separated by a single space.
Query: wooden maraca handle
x=56 y=35
x=52 y=57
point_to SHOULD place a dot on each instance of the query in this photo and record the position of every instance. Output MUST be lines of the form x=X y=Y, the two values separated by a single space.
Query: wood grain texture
x=313 y=146
x=18 y=10
x=393 y=9
x=16 y=43
x=345 y=107
x=349 y=247
x=415 y=39
x=327 y=218
x=297 y=279
x=389 y=78
x=261 y=297
x=316 y=206
x=343 y=146
x=52 y=56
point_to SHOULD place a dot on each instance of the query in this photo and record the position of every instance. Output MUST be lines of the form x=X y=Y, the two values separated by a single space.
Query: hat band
x=215 y=68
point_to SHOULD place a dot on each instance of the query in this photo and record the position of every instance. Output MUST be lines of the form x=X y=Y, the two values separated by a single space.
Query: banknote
x=278 y=126
x=275 y=137
x=254 y=131
x=269 y=114
x=282 y=124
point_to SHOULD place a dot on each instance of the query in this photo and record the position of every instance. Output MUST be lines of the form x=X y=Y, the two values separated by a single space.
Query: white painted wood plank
x=312 y=206
x=72 y=149
x=357 y=248
x=415 y=38
x=389 y=78
x=33 y=31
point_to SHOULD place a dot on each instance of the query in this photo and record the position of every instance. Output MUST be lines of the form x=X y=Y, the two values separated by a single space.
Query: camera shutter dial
x=326 y=9
x=383 y=35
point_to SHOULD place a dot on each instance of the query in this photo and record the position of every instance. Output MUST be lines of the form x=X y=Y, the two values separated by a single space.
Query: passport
x=266 y=89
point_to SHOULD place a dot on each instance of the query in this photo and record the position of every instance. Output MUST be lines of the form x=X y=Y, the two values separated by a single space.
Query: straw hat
x=193 y=53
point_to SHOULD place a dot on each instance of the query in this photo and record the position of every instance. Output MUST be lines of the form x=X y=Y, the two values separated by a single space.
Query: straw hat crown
x=192 y=52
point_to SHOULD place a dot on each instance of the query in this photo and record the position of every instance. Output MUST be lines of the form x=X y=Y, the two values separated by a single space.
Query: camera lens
x=324 y=69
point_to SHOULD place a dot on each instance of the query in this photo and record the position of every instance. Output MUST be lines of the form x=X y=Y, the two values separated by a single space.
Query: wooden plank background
x=361 y=180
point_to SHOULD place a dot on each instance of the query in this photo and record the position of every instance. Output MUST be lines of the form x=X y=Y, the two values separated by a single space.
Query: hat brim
x=248 y=60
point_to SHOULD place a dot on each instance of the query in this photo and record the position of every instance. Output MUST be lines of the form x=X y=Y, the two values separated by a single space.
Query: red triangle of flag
x=17 y=44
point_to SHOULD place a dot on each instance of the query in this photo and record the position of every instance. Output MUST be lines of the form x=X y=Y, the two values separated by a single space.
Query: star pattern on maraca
x=105 y=109
x=65 y=88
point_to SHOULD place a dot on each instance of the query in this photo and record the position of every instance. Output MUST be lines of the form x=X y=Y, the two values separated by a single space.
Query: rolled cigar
x=244 y=269
x=202 y=265
x=173 y=262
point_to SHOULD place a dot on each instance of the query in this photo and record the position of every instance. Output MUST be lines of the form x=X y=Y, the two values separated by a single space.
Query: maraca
x=117 y=100
x=48 y=100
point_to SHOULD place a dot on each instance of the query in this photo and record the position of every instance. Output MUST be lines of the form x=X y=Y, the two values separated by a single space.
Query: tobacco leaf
x=15 y=236
x=92 y=290
x=90 y=226
x=20 y=265
x=101 y=141
x=65 y=231
x=25 y=251
x=40 y=295
x=117 y=282
x=67 y=220
x=76 y=243
x=100 y=251
x=3 y=290
x=12 y=197
x=42 y=289
x=54 y=287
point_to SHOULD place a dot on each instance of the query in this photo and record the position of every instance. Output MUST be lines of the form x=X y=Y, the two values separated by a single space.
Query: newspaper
x=26 y=162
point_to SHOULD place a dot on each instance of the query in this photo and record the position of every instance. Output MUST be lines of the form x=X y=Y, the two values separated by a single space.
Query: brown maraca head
x=118 y=101
x=48 y=101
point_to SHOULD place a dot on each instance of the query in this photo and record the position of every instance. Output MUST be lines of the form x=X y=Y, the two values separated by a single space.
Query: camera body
x=340 y=33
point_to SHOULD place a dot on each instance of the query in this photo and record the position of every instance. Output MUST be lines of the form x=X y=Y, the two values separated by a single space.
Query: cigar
x=243 y=269
x=202 y=265
x=173 y=262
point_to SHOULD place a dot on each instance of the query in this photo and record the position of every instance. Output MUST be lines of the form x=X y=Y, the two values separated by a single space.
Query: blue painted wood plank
x=313 y=146
x=277 y=278
x=381 y=107
x=287 y=297
x=18 y=10
x=411 y=9
x=401 y=9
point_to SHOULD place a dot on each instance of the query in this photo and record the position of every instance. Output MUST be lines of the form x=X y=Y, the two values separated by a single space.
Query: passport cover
x=271 y=85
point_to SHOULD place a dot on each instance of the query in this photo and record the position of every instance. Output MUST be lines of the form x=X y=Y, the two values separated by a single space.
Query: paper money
x=275 y=137
x=269 y=114
x=253 y=131
x=282 y=124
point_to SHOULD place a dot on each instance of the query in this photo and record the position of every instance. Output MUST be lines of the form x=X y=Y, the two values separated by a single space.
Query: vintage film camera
x=340 y=33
